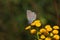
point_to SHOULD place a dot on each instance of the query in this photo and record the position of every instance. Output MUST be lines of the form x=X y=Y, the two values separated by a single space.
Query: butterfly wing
x=31 y=16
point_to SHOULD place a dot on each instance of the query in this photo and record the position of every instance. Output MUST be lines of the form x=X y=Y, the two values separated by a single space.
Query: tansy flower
x=51 y=34
x=55 y=31
x=48 y=28
x=33 y=31
x=56 y=36
x=55 y=27
x=42 y=36
x=42 y=30
x=47 y=38
x=38 y=24
x=27 y=27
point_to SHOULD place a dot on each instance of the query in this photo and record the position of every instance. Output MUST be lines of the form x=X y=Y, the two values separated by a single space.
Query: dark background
x=13 y=17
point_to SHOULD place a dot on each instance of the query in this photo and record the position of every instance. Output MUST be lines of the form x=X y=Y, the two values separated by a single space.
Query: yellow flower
x=48 y=28
x=51 y=34
x=42 y=36
x=55 y=27
x=42 y=30
x=56 y=36
x=38 y=24
x=55 y=31
x=47 y=38
x=33 y=31
x=27 y=27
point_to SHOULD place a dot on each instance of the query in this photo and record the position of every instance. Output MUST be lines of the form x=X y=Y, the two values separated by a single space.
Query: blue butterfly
x=31 y=16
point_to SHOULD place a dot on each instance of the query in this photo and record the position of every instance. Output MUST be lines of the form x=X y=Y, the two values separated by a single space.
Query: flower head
x=55 y=31
x=55 y=27
x=27 y=27
x=33 y=31
x=37 y=23
x=42 y=30
x=42 y=36
x=48 y=28
x=56 y=36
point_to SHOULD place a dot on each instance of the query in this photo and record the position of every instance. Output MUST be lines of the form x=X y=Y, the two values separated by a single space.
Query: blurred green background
x=13 y=17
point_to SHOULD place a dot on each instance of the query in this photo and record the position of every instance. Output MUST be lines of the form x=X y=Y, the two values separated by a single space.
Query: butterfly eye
x=31 y=16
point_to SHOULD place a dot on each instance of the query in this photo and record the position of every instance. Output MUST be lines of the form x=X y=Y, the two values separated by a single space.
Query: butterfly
x=31 y=16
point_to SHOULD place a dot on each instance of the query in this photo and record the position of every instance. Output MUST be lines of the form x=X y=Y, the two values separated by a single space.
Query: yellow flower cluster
x=37 y=23
x=48 y=28
x=52 y=32
x=45 y=33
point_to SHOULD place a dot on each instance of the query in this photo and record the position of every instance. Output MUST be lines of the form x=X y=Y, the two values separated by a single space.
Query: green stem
x=37 y=36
